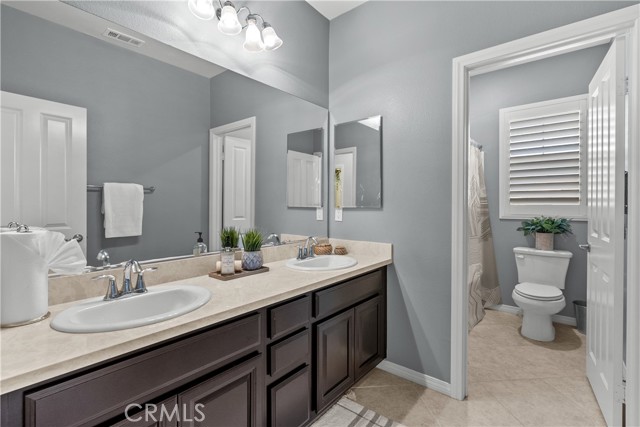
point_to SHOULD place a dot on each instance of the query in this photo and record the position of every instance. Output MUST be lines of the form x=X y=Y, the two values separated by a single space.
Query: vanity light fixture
x=229 y=24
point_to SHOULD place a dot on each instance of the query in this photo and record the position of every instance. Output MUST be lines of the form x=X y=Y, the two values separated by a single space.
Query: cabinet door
x=230 y=399
x=290 y=400
x=370 y=335
x=163 y=414
x=334 y=344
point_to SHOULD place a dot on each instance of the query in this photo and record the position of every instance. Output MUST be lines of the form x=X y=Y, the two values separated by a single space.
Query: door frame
x=216 y=142
x=569 y=38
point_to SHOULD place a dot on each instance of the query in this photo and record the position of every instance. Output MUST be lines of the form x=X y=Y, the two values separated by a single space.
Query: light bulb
x=229 y=23
x=271 y=39
x=253 y=41
x=202 y=9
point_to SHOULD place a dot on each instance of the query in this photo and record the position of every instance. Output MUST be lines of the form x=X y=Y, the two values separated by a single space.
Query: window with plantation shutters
x=542 y=155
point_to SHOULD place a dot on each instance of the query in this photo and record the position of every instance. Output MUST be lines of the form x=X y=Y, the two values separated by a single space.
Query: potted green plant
x=229 y=240
x=252 y=255
x=229 y=237
x=545 y=228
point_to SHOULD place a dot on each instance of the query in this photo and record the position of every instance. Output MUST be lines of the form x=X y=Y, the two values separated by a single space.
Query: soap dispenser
x=199 y=248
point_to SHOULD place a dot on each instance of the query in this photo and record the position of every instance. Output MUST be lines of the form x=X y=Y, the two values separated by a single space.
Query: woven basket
x=323 y=249
x=340 y=250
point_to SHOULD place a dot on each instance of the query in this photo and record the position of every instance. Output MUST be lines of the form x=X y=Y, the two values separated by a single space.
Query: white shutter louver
x=542 y=158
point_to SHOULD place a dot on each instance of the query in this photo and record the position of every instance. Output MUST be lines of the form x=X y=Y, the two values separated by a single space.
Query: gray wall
x=277 y=115
x=558 y=77
x=299 y=66
x=401 y=69
x=368 y=151
x=307 y=141
x=147 y=123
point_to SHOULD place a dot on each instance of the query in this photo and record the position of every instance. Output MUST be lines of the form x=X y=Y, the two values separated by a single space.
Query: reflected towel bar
x=100 y=187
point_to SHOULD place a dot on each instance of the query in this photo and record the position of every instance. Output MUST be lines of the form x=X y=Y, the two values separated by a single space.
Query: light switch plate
x=319 y=214
x=339 y=214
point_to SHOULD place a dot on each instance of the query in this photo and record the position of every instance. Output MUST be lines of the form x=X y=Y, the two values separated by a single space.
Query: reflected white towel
x=122 y=207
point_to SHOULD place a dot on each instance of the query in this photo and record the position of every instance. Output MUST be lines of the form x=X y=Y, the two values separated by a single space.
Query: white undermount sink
x=322 y=263
x=160 y=303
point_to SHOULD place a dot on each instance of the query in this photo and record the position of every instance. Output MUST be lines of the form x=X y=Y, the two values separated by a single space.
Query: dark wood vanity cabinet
x=280 y=366
x=335 y=356
x=351 y=343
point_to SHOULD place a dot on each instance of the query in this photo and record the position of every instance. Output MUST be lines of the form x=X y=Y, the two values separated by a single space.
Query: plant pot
x=544 y=241
x=252 y=260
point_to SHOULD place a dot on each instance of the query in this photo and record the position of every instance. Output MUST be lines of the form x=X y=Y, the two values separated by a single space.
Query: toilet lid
x=538 y=292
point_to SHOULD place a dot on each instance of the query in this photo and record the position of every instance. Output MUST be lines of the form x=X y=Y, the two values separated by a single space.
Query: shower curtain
x=484 y=289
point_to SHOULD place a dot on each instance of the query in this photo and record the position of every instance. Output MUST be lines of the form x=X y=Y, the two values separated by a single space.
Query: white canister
x=24 y=291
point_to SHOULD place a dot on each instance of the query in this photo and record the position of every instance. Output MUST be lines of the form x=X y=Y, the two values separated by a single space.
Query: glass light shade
x=271 y=39
x=202 y=9
x=253 y=41
x=229 y=23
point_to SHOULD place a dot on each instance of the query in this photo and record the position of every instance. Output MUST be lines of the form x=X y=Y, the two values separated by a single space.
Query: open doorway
x=231 y=177
x=595 y=31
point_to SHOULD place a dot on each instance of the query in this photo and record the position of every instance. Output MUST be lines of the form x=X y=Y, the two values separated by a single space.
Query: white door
x=606 y=232
x=303 y=180
x=346 y=161
x=43 y=159
x=237 y=178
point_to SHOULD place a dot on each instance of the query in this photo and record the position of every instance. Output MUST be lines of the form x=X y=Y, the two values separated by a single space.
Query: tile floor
x=513 y=381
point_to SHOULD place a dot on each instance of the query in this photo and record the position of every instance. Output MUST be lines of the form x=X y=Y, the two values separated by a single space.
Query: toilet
x=541 y=278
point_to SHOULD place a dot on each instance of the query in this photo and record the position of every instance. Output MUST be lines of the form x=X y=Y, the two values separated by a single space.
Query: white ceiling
x=333 y=8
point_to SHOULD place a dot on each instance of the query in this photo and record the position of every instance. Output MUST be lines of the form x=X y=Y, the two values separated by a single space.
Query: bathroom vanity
x=277 y=364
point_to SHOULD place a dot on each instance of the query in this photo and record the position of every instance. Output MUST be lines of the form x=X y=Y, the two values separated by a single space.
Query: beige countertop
x=34 y=353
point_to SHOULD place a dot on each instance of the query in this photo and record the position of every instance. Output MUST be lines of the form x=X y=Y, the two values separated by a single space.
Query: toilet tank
x=544 y=267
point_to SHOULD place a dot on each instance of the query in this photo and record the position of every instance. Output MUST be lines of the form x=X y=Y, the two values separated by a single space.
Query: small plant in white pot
x=252 y=255
x=545 y=228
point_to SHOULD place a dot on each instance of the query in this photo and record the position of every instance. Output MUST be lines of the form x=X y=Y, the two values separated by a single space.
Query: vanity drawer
x=344 y=295
x=104 y=393
x=288 y=317
x=289 y=353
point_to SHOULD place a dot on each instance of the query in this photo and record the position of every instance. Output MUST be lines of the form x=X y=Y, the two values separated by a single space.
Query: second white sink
x=160 y=303
x=322 y=263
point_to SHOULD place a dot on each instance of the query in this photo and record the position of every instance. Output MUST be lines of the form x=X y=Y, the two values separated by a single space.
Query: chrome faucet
x=274 y=239
x=306 y=251
x=112 y=290
x=141 y=288
x=104 y=257
x=131 y=266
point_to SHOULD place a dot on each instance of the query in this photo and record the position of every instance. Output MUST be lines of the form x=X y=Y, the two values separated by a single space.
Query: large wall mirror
x=149 y=115
x=358 y=163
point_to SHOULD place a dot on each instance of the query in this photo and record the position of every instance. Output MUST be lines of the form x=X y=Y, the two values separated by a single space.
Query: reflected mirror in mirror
x=149 y=111
x=304 y=168
x=358 y=163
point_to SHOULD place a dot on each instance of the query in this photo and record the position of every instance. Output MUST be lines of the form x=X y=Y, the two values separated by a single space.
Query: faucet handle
x=112 y=290
x=141 y=288
x=300 y=252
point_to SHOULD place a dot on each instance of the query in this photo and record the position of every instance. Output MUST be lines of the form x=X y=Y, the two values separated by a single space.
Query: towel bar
x=100 y=187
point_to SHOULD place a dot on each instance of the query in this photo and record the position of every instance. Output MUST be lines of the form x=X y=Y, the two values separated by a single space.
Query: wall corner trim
x=416 y=377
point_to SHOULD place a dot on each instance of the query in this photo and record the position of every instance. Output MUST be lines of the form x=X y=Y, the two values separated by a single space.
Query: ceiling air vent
x=122 y=37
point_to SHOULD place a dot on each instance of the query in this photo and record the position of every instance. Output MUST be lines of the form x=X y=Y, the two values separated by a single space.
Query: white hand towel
x=122 y=207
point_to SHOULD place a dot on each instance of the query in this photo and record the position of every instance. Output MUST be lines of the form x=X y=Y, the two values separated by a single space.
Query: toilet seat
x=538 y=292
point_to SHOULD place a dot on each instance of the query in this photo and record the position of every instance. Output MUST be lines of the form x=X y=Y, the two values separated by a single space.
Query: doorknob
x=77 y=237
x=585 y=247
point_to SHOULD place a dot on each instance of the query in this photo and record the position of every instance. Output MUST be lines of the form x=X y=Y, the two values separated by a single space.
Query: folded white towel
x=122 y=205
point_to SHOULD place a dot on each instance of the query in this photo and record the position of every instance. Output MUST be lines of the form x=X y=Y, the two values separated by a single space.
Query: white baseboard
x=565 y=320
x=416 y=377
